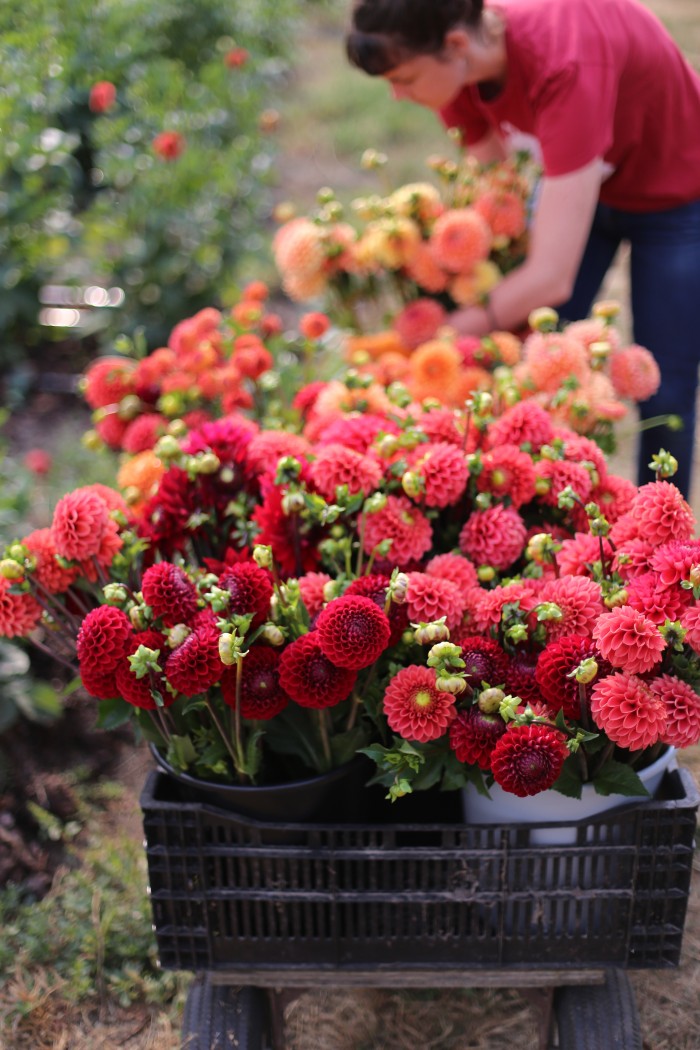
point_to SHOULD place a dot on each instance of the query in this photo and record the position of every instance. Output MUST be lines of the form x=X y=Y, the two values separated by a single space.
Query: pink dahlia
x=262 y=696
x=578 y=554
x=674 y=561
x=108 y=380
x=508 y=472
x=525 y=423
x=102 y=639
x=353 y=631
x=634 y=372
x=444 y=424
x=632 y=558
x=474 y=734
x=580 y=602
x=79 y=522
x=658 y=603
x=460 y=239
x=401 y=522
x=495 y=536
x=19 y=613
x=626 y=709
x=690 y=621
x=556 y=663
x=140 y=691
x=444 y=471
x=356 y=432
x=419 y=321
x=195 y=666
x=143 y=432
x=577 y=448
x=308 y=676
x=414 y=707
x=269 y=446
x=662 y=514
x=559 y=474
x=170 y=593
x=614 y=495
x=528 y=759
x=311 y=589
x=625 y=528
x=453 y=567
x=429 y=598
x=682 y=706
x=489 y=605
x=251 y=591
x=112 y=429
x=336 y=465
x=629 y=640
x=49 y=574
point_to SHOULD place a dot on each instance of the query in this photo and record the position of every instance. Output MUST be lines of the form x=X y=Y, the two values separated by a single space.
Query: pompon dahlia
x=489 y=604
x=673 y=561
x=194 y=667
x=414 y=706
x=552 y=358
x=443 y=424
x=474 y=734
x=108 y=380
x=111 y=429
x=435 y=369
x=658 y=603
x=508 y=472
x=578 y=554
x=690 y=622
x=401 y=522
x=580 y=602
x=634 y=372
x=528 y=759
x=375 y=587
x=558 y=474
x=682 y=706
x=170 y=593
x=520 y=678
x=336 y=465
x=419 y=321
x=444 y=471
x=626 y=709
x=524 y=422
x=229 y=439
x=306 y=396
x=19 y=613
x=251 y=591
x=50 y=575
x=429 y=598
x=294 y=552
x=579 y=449
x=309 y=677
x=353 y=631
x=632 y=558
x=139 y=691
x=269 y=446
x=495 y=536
x=262 y=696
x=484 y=660
x=460 y=238
x=554 y=667
x=79 y=522
x=662 y=514
x=102 y=639
x=453 y=567
x=629 y=640
x=356 y=432
x=311 y=589
x=143 y=432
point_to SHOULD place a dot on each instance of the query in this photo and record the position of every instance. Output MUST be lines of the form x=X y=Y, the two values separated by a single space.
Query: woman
x=615 y=108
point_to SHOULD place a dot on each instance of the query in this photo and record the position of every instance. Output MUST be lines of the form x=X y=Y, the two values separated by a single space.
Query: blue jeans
x=665 y=289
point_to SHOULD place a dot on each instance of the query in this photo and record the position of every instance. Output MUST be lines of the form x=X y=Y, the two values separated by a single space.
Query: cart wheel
x=223 y=1017
x=598 y=1017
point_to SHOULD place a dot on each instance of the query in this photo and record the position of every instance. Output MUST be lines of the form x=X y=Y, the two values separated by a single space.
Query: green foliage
x=92 y=934
x=83 y=196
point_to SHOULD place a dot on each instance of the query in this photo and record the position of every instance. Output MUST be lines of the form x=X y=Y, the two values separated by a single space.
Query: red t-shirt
x=596 y=78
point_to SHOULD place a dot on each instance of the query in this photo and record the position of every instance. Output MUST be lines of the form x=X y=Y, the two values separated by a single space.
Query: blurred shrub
x=154 y=185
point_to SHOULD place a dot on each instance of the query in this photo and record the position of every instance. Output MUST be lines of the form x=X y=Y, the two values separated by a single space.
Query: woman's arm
x=559 y=235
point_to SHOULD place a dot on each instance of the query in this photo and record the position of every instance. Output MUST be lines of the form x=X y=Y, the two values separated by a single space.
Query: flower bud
x=445 y=654
x=227 y=649
x=262 y=556
x=486 y=573
x=398 y=588
x=129 y=407
x=450 y=684
x=544 y=319
x=483 y=500
x=167 y=448
x=331 y=590
x=428 y=633
x=272 y=634
x=606 y=309
x=375 y=502
x=490 y=700
x=509 y=707
x=205 y=463
x=616 y=597
x=176 y=635
x=600 y=352
x=139 y=617
x=92 y=441
x=412 y=484
x=586 y=671
x=292 y=503
x=371 y=160
x=11 y=570
x=115 y=594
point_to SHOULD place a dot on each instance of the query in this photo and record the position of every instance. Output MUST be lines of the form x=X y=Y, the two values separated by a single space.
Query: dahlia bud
x=204 y=463
x=398 y=395
x=262 y=556
x=292 y=503
x=664 y=464
x=144 y=660
x=428 y=633
x=607 y=309
x=490 y=700
x=508 y=708
x=129 y=407
x=228 y=649
x=167 y=448
x=413 y=484
x=139 y=617
x=482 y=402
x=544 y=319
x=486 y=573
x=541 y=548
x=115 y=594
x=430 y=403
x=567 y=498
x=542 y=486
x=549 y=611
x=599 y=526
x=616 y=597
x=371 y=160
x=600 y=352
x=510 y=396
x=176 y=428
x=272 y=634
x=517 y=633
x=284 y=211
x=92 y=441
x=674 y=634
x=11 y=570
x=176 y=635
x=172 y=404
x=586 y=671
x=450 y=683
x=483 y=500
x=375 y=503
x=219 y=598
x=445 y=654
x=398 y=587
x=331 y=589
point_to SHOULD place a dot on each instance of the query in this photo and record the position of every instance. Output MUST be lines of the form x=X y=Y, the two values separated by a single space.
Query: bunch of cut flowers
x=451 y=240
x=465 y=594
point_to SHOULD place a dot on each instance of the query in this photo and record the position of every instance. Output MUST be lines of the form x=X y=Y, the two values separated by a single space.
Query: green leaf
x=569 y=780
x=181 y=753
x=113 y=713
x=616 y=778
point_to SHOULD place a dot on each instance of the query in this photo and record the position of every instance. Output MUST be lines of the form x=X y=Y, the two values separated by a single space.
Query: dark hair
x=385 y=33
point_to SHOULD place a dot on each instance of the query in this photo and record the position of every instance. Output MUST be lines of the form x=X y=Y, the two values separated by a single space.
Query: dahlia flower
x=528 y=759
x=628 y=711
x=414 y=706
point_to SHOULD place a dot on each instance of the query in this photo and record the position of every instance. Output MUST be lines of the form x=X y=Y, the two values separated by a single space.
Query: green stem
x=224 y=737
x=325 y=738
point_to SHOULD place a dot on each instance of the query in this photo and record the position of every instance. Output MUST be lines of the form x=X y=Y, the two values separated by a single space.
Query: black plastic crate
x=230 y=894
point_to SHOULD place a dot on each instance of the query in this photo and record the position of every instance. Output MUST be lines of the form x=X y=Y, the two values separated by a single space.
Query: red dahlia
x=473 y=735
x=262 y=697
x=414 y=706
x=102 y=640
x=170 y=593
x=556 y=663
x=528 y=759
x=251 y=591
x=101 y=686
x=309 y=677
x=484 y=659
x=353 y=631
x=195 y=666
x=139 y=691
x=375 y=587
x=520 y=676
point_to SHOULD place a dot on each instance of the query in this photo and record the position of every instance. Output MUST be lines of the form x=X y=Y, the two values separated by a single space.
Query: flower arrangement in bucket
x=466 y=595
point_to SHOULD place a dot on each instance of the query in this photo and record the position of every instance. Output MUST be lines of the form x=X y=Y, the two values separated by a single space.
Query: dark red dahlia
x=262 y=696
x=528 y=759
x=520 y=676
x=485 y=660
x=195 y=666
x=375 y=587
x=294 y=551
x=353 y=631
x=102 y=640
x=251 y=591
x=309 y=677
x=101 y=686
x=474 y=734
x=228 y=439
x=139 y=691
x=170 y=593
x=556 y=663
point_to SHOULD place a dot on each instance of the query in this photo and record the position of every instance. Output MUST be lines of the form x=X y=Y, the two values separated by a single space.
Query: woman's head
x=386 y=33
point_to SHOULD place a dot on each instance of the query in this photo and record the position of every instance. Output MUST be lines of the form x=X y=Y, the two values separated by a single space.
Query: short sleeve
x=575 y=116
x=460 y=113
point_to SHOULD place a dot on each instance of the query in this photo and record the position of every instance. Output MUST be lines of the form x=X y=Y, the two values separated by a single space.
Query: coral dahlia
x=414 y=706
x=627 y=710
x=682 y=705
x=495 y=536
x=401 y=522
x=19 y=613
x=79 y=522
x=629 y=640
x=429 y=598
